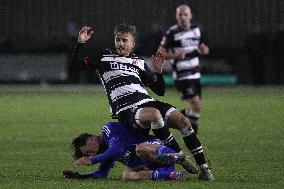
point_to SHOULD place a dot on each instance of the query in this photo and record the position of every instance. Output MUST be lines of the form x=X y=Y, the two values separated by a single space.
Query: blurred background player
x=146 y=156
x=124 y=76
x=184 y=43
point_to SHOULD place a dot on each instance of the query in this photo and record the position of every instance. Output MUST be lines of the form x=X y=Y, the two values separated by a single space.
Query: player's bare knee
x=179 y=120
x=156 y=115
x=185 y=121
x=150 y=114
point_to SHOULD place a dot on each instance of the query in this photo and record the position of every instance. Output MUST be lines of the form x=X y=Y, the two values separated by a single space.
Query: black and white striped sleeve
x=81 y=60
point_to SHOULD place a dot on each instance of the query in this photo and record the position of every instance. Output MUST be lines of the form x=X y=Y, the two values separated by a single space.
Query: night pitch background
x=242 y=121
x=241 y=130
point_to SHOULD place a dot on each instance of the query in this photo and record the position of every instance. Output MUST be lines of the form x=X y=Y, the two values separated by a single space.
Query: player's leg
x=151 y=117
x=144 y=173
x=193 y=111
x=191 y=93
x=130 y=174
x=164 y=155
x=152 y=175
x=160 y=173
x=175 y=119
x=179 y=121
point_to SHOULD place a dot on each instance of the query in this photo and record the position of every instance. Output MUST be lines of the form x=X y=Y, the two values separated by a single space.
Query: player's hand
x=203 y=49
x=158 y=61
x=84 y=161
x=71 y=174
x=179 y=55
x=85 y=34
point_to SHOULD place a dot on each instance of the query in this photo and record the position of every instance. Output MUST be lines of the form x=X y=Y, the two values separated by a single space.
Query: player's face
x=91 y=148
x=183 y=16
x=124 y=43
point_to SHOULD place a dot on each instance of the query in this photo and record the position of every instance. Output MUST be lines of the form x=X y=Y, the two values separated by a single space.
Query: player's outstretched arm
x=101 y=173
x=79 y=60
x=106 y=156
x=84 y=161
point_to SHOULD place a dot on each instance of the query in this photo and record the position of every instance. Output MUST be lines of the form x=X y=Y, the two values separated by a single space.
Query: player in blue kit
x=145 y=156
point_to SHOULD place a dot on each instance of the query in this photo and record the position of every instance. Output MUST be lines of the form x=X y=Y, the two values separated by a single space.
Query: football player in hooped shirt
x=184 y=43
x=145 y=156
x=124 y=76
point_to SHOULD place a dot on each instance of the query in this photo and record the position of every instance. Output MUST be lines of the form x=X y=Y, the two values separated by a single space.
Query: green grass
x=241 y=128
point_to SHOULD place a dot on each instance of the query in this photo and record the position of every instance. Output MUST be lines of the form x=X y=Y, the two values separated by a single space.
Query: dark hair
x=77 y=143
x=125 y=28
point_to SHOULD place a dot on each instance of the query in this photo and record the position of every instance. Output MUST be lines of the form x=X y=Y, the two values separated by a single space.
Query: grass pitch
x=241 y=129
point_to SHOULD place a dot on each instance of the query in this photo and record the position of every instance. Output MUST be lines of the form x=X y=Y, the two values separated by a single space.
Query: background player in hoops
x=124 y=76
x=184 y=43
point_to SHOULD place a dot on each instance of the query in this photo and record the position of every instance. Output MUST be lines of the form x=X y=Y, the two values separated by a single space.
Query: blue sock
x=156 y=175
